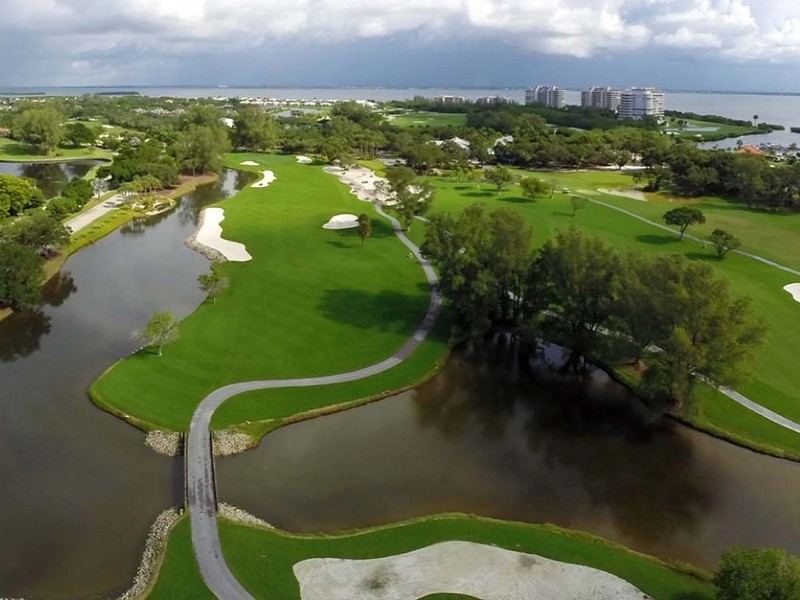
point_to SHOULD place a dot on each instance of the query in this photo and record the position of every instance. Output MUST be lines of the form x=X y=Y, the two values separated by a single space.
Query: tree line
x=675 y=315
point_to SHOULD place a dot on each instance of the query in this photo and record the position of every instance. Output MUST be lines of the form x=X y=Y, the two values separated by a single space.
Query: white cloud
x=94 y=33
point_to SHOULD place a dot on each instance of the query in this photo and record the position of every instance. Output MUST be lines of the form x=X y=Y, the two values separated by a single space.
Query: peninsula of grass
x=262 y=559
x=430 y=119
x=775 y=381
x=13 y=151
x=312 y=302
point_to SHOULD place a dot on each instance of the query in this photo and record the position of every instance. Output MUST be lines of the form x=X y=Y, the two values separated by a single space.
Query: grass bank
x=429 y=119
x=262 y=559
x=13 y=151
x=312 y=302
x=775 y=381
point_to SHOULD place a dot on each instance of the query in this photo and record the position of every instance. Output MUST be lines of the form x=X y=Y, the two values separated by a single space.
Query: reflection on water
x=79 y=488
x=501 y=434
x=50 y=177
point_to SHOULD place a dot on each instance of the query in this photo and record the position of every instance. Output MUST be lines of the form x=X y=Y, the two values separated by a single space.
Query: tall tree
x=533 y=187
x=211 y=284
x=723 y=242
x=18 y=194
x=578 y=275
x=500 y=177
x=254 y=130
x=198 y=149
x=410 y=197
x=712 y=334
x=364 y=226
x=683 y=217
x=162 y=329
x=39 y=127
x=40 y=231
x=21 y=276
x=757 y=574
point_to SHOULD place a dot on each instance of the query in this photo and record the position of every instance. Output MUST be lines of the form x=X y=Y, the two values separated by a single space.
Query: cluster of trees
x=675 y=314
x=24 y=243
x=18 y=194
x=745 y=177
x=73 y=197
x=757 y=574
x=411 y=198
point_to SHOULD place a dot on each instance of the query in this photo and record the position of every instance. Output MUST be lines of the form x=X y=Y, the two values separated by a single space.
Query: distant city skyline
x=729 y=45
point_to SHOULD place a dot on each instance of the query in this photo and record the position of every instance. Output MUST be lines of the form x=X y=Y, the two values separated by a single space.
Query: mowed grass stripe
x=311 y=302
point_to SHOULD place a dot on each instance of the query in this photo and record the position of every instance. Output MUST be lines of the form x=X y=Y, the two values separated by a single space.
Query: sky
x=747 y=45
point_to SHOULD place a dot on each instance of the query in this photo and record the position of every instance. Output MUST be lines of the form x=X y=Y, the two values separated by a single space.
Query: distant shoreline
x=131 y=89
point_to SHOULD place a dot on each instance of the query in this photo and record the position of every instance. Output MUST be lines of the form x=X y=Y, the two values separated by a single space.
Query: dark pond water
x=492 y=436
x=50 y=177
x=79 y=488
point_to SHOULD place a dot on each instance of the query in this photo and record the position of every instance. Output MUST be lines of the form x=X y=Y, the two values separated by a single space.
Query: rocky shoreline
x=191 y=242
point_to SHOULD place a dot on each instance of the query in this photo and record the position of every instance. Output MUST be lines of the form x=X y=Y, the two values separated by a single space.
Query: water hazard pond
x=487 y=437
x=50 y=177
x=79 y=488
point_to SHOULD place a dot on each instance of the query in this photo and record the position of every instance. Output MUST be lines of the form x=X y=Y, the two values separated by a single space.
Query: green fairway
x=432 y=119
x=776 y=381
x=311 y=302
x=262 y=560
x=711 y=130
x=775 y=236
x=13 y=151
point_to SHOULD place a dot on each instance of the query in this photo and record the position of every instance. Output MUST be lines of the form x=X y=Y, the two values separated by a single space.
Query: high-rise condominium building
x=601 y=97
x=549 y=95
x=636 y=103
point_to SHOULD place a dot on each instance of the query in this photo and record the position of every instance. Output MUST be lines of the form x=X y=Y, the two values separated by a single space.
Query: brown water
x=492 y=436
x=79 y=488
x=50 y=177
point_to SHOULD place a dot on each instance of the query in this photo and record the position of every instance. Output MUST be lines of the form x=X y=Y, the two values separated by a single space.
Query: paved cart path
x=201 y=487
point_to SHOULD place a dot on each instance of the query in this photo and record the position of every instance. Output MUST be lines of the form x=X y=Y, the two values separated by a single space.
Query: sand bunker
x=267 y=178
x=364 y=184
x=477 y=570
x=630 y=194
x=208 y=239
x=304 y=160
x=794 y=290
x=249 y=163
x=345 y=221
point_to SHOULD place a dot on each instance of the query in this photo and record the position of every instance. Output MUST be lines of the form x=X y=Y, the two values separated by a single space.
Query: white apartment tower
x=601 y=97
x=549 y=95
x=636 y=103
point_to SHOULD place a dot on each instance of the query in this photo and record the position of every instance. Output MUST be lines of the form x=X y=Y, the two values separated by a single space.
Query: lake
x=493 y=436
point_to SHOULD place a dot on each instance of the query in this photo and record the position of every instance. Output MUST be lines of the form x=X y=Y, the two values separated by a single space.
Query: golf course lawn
x=312 y=302
x=262 y=559
x=775 y=381
x=432 y=119
x=13 y=151
x=771 y=235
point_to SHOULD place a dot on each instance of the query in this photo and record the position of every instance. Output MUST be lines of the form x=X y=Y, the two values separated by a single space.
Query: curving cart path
x=200 y=483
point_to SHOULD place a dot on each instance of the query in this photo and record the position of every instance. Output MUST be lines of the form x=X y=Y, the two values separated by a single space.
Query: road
x=201 y=487
x=90 y=216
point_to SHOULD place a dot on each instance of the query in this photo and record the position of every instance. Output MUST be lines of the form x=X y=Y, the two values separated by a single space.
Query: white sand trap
x=304 y=160
x=267 y=178
x=345 y=221
x=364 y=184
x=467 y=568
x=249 y=163
x=630 y=194
x=208 y=239
x=794 y=290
